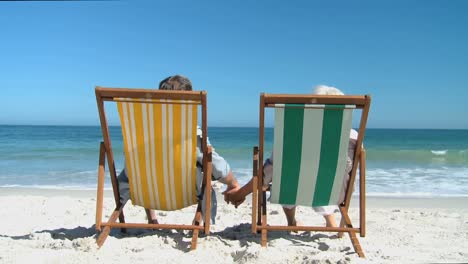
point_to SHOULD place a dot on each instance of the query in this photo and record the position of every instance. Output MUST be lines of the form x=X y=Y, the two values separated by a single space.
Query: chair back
x=310 y=153
x=159 y=130
x=160 y=140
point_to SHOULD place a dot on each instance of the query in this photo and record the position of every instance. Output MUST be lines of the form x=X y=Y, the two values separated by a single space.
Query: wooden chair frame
x=116 y=94
x=259 y=205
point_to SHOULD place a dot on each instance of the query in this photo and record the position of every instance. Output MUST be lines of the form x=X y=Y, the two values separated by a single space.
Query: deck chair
x=159 y=130
x=311 y=137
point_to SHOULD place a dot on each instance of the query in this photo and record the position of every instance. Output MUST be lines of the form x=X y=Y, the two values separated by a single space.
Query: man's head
x=327 y=90
x=176 y=82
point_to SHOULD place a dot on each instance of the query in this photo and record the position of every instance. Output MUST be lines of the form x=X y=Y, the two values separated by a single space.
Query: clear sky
x=411 y=56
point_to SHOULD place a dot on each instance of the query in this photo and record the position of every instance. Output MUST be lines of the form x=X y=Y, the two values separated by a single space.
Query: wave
x=439 y=152
x=413 y=195
x=418 y=181
x=419 y=156
x=386 y=180
x=71 y=173
x=369 y=194
x=55 y=187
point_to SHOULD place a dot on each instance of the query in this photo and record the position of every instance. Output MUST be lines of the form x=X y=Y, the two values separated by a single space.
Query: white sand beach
x=53 y=226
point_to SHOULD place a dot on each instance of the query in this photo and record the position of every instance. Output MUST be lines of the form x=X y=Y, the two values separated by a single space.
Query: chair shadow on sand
x=60 y=233
x=241 y=233
x=84 y=232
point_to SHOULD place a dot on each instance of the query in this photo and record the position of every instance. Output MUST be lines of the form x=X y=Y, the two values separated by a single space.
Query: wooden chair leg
x=261 y=197
x=255 y=190
x=207 y=201
x=103 y=236
x=194 y=239
x=264 y=220
x=206 y=225
x=362 y=193
x=100 y=186
x=340 y=234
x=264 y=237
x=122 y=220
x=259 y=213
x=106 y=231
x=356 y=244
x=254 y=206
x=198 y=218
x=352 y=234
x=197 y=222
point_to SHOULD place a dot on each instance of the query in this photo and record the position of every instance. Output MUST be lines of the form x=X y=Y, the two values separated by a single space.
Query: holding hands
x=236 y=196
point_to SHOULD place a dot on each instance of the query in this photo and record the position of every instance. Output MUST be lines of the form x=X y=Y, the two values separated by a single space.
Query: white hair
x=327 y=90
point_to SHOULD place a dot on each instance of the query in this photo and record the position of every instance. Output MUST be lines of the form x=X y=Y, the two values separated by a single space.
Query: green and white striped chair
x=311 y=138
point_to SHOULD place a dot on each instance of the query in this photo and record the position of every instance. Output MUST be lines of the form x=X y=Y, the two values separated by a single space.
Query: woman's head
x=176 y=82
x=327 y=90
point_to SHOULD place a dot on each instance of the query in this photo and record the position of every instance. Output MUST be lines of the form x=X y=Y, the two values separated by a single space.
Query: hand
x=232 y=186
x=234 y=196
x=231 y=189
x=238 y=201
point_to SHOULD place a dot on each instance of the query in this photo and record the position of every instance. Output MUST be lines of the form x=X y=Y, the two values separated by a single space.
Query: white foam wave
x=72 y=173
x=412 y=195
x=55 y=187
x=436 y=181
x=439 y=152
x=243 y=175
x=431 y=181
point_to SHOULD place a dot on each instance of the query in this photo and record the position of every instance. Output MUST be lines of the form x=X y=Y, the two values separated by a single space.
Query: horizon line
x=232 y=126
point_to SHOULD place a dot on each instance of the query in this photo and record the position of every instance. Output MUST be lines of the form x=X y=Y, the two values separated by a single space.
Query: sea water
x=400 y=162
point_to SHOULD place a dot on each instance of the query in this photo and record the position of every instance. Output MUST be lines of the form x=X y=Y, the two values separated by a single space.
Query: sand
x=53 y=226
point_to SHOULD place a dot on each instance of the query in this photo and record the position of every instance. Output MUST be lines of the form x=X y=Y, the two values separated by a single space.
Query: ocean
x=400 y=162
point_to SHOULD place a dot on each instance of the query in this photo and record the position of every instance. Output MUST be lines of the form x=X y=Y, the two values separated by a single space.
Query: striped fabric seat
x=310 y=153
x=160 y=152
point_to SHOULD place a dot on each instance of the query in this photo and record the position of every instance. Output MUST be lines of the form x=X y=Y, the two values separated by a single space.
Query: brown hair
x=176 y=82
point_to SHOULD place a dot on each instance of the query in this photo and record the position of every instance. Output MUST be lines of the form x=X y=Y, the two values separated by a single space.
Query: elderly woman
x=238 y=197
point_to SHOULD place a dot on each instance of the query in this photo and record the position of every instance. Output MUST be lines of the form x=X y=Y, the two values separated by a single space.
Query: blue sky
x=411 y=56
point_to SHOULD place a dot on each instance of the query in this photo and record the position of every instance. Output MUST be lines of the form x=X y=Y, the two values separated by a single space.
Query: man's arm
x=232 y=185
x=237 y=197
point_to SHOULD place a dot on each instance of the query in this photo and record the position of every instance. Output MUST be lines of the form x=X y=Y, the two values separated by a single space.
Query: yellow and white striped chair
x=159 y=130
x=311 y=137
